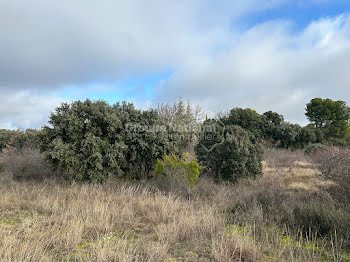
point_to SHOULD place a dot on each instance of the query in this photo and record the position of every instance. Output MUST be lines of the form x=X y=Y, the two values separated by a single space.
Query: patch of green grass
x=243 y=230
x=10 y=221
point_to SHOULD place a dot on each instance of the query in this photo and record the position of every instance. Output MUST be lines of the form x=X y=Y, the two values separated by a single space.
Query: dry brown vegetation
x=262 y=220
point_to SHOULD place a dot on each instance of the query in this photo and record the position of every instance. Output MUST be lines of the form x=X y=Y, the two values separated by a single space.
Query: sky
x=266 y=55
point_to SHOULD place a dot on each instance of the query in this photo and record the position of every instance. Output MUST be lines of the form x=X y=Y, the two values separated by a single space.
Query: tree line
x=89 y=140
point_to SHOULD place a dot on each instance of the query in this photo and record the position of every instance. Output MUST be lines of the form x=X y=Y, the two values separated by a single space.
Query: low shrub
x=264 y=203
x=229 y=152
x=334 y=163
x=309 y=213
x=322 y=219
x=179 y=168
x=311 y=148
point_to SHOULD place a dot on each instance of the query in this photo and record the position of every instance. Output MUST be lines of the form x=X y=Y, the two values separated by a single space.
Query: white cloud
x=268 y=67
x=26 y=109
x=47 y=45
x=70 y=42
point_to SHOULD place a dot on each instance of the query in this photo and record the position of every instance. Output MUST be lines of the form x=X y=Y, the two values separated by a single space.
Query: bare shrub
x=27 y=164
x=334 y=163
x=170 y=185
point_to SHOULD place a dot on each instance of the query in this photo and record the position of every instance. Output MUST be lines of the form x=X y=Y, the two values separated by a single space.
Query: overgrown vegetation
x=179 y=169
x=148 y=199
x=229 y=152
x=334 y=164
x=286 y=215
x=19 y=139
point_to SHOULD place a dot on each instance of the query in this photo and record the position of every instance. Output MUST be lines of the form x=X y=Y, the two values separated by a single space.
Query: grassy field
x=269 y=219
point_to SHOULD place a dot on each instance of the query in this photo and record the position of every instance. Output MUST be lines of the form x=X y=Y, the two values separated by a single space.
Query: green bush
x=248 y=119
x=28 y=138
x=180 y=168
x=85 y=140
x=91 y=140
x=229 y=152
x=146 y=140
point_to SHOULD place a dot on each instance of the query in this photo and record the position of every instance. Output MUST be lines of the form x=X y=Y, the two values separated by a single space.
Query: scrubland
x=294 y=212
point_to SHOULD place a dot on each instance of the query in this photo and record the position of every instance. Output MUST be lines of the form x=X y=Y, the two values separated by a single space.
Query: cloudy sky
x=263 y=54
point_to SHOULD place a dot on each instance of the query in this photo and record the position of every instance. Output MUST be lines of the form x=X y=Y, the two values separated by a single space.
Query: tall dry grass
x=334 y=164
x=124 y=221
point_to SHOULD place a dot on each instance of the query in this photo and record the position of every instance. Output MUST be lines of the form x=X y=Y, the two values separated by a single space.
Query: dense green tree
x=248 y=119
x=272 y=122
x=85 y=140
x=305 y=137
x=90 y=140
x=318 y=134
x=273 y=118
x=287 y=134
x=229 y=152
x=28 y=138
x=146 y=136
x=332 y=117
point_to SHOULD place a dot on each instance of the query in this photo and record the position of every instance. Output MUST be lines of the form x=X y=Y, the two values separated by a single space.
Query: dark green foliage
x=293 y=136
x=332 y=117
x=287 y=134
x=273 y=118
x=306 y=136
x=272 y=122
x=85 y=140
x=248 y=119
x=90 y=140
x=19 y=138
x=229 y=152
x=146 y=136
x=271 y=127
x=6 y=137
x=318 y=134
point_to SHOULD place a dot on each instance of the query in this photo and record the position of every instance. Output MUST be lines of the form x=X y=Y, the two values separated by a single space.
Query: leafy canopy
x=229 y=152
x=332 y=117
x=90 y=140
x=85 y=140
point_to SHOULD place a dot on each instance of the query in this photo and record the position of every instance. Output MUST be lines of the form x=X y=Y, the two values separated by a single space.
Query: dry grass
x=102 y=223
x=48 y=221
x=292 y=171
